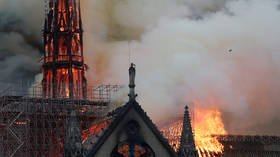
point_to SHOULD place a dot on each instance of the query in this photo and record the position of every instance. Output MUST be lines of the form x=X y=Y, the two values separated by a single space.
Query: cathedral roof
x=119 y=115
x=91 y=136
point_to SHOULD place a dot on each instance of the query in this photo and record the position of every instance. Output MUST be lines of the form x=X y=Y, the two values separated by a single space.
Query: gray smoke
x=20 y=39
x=221 y=53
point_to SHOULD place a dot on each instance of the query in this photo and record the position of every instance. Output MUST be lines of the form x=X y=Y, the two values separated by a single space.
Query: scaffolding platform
x=34 y=126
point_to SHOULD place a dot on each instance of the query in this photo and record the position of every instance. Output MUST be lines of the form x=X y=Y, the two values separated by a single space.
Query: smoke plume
x=20 y=39
x=223 y=53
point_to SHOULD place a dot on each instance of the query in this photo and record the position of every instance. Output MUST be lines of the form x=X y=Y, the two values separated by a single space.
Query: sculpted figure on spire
x=132 y=74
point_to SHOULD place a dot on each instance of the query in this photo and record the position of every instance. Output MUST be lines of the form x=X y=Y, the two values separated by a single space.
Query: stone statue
x=132 y=73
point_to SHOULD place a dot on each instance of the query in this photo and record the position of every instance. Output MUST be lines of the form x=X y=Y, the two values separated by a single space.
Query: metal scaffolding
x=33 y=126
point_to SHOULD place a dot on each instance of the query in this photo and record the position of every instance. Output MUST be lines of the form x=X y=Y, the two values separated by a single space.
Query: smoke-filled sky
x=222 y=52
x=20 y=39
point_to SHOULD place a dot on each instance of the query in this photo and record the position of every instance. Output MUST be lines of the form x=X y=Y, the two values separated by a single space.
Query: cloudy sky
x=222 y=51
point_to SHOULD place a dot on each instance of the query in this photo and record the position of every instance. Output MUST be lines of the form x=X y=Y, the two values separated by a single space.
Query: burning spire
x=63 y=63
x=187 y=146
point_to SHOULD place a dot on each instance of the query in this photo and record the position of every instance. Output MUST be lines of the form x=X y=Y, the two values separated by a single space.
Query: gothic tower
x=63 y=63
x=187 y=145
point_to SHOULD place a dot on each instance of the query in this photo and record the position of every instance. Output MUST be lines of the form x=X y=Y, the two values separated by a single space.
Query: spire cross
x=132 y=73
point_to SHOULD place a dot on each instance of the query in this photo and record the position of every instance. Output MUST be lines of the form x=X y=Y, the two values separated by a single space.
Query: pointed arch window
x=134 y=145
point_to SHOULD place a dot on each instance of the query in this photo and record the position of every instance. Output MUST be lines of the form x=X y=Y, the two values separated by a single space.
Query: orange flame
x=206 y=122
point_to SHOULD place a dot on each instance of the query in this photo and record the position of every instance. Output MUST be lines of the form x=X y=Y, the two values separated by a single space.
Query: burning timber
x=63 y=62
x=231 y=145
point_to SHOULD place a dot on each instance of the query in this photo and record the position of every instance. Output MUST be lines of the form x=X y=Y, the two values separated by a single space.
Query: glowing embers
x=49 y=49
x=63 y=53
x=72 y=14
x=62 y=50
x=61 y=29
x=172 y=131
x=76 y=49
x=63 y=83
x=59 y=84
x=77 y=83
x=91 y=135
x=48 y=83
x=96 y=129
x=62 y=15
x=74 y=6
x=68 y=15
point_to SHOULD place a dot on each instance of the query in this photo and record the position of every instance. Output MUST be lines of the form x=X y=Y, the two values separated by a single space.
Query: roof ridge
x=117 y=120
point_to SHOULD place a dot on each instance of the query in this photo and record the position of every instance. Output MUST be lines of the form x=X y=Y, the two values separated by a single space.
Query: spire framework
x=63 y=62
